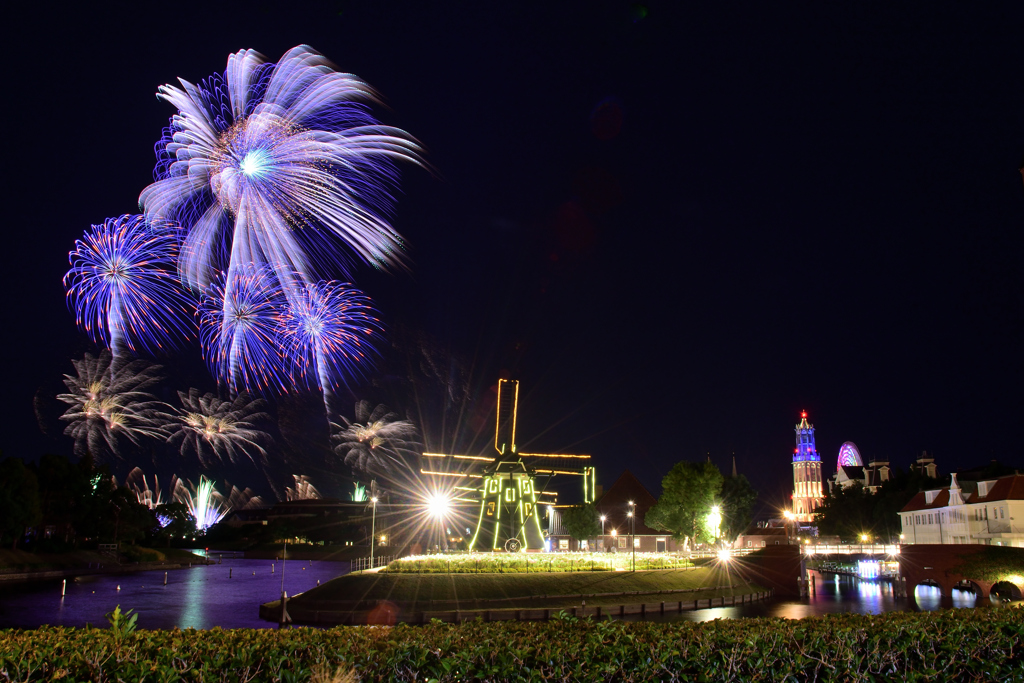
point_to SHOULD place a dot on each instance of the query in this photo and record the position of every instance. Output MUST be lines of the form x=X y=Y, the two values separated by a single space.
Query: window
x=622 y=541
x=563 y=544
x=636 y=542
x=762 y=543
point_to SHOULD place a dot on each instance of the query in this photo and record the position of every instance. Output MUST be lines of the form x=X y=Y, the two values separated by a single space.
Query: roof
x=614 y=503
x=1006 y=488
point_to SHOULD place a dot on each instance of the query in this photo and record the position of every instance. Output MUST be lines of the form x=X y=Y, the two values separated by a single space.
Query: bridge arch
x=1008 y=589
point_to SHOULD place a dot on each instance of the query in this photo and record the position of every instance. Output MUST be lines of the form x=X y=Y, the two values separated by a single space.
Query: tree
x=19 y=499
x=180 y=524
x=738 y=498
x=688 y=493
x=581 y=521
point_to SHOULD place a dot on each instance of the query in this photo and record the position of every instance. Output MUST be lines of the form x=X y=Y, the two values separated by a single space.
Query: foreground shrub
x=954 y=645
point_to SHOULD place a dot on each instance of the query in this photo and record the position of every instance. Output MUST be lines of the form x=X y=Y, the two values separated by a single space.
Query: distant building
x=926 y=466
x=762 y=536
x=807 y=491
x=614 y=506
x=850 y=470
x=987 y=512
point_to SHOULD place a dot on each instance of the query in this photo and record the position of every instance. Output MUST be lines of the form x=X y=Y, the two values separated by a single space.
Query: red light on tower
x=803 y=414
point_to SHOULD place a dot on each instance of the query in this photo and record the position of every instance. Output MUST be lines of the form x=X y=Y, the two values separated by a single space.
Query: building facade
x=807 y=490
x=987 y=512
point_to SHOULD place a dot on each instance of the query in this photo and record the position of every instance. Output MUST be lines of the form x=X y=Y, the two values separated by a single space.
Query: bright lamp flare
x=276 y=164
x=439 y=505
x=124 y=288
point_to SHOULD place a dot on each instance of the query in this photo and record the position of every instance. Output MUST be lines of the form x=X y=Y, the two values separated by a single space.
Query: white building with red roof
x=981 y=513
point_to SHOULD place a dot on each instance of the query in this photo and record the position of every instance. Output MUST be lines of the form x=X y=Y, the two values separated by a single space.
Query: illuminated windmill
x=506 y=487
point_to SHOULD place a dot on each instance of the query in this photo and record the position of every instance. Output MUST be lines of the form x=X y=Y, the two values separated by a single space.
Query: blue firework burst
x=327 y=334
x=276 y=165
x=238 y=324
x=123 y=287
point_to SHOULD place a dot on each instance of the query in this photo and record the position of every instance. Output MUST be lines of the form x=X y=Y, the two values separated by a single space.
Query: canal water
x=226 y=595
x=229 y=595
x=835 y=594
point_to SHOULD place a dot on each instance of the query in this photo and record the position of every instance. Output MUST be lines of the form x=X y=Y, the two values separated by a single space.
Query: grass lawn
x=15 y=561
x=461 y=591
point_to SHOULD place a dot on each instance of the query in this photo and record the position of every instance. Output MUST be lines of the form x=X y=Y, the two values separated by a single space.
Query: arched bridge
x=949 y=565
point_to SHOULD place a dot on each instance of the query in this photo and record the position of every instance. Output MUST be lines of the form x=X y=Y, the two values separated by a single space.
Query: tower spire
x=807 y=490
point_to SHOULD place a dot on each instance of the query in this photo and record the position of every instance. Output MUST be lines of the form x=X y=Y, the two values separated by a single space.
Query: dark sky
x=678 y=224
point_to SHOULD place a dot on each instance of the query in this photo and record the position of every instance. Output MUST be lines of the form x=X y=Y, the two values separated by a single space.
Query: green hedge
x=521 y=563
x=954 y=645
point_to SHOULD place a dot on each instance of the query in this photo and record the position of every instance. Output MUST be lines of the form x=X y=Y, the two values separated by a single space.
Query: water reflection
x=835 y=594
x=226 y=595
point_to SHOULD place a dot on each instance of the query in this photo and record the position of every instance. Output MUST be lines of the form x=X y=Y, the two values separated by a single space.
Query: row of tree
x=690 y=491
x=56 y=505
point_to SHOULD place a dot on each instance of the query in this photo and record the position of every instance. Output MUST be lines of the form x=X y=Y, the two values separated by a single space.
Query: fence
x=363 y=563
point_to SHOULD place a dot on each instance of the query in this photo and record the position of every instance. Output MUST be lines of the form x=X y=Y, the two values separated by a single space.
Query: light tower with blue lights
x=807 y=490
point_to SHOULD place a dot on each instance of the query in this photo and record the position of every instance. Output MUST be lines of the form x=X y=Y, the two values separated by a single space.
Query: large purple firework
x=124 y=289
x=274 y=164
x=326 y=333
x=238 y=326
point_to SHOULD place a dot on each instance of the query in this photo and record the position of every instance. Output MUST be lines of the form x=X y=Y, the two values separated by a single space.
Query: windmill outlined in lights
x=506 y=486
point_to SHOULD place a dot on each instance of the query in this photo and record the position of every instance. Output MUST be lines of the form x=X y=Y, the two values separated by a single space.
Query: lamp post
x=715 y=520
x=632 y=532
x=603 y=517
x=373 y=528
x=789 y=518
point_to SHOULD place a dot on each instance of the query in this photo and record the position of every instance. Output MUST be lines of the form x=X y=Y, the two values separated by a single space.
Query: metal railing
x=363 y=563
x=852 y=549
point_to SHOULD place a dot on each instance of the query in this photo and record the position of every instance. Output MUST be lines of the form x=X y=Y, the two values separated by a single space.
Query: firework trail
x=275 y=164
x=304 y=489
x=150 y=497
x=207 y=505
x=108 y=401
x=238 y=326
x=216 y=430
x=326 y=334
x=203 y=502
x=376 y=442
x=124 y=289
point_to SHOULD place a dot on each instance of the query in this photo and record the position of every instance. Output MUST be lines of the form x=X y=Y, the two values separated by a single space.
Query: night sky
x=677 y=224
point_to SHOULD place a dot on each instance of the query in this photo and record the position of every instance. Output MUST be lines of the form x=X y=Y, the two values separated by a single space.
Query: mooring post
x=229 y=572
x=63 y=587
x=285 y=618
x=165 y=578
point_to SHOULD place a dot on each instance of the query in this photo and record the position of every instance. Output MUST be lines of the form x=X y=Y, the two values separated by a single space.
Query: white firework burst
x=376 y=442
x=109 y=403
x=216 y=430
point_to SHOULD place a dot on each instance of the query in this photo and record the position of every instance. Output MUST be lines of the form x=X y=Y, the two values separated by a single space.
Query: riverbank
x=18 y=566
x=377 y=597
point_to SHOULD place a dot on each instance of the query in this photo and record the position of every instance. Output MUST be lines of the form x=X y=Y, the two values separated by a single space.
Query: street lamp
x=603 y=517
x=715 y=520
x=632 y=532
x=373 y=528
x=438 y=506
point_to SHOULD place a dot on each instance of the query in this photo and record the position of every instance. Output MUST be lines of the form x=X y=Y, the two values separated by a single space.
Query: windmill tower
x=506 y=486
